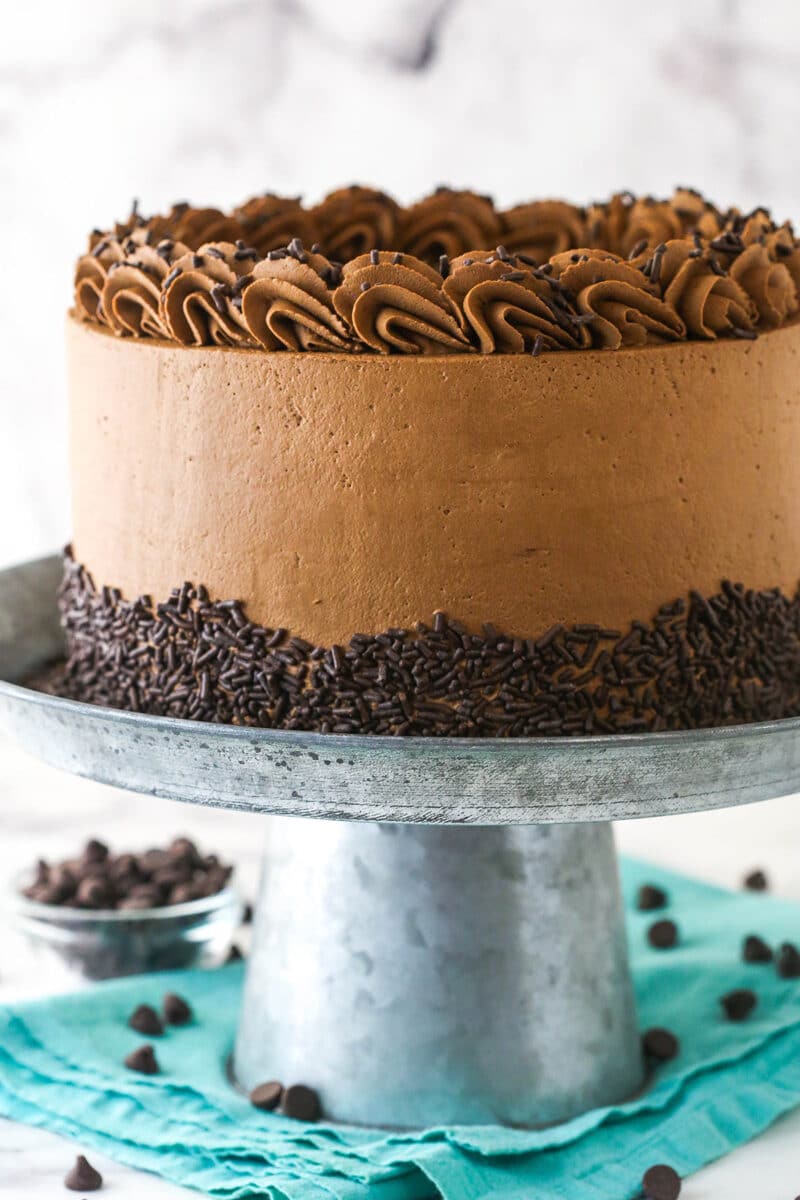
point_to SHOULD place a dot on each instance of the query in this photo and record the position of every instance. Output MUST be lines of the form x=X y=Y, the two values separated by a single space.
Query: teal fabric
x=60 y=1068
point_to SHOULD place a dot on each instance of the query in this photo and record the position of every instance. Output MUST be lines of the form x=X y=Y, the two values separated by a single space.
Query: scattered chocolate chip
x=83 y=1177
x=247 y=914
x=143 y=1060
x=663 y=935
x=267 y=1096
x=661 y=1183
x=787 y=961
x=756 y=881
x=234 y=955
x=176 y=1010
x=146 y=1020
x=300 y=1102
x=649 y=897
x=739 y=1003
x=660 y=1044
x=756 y=950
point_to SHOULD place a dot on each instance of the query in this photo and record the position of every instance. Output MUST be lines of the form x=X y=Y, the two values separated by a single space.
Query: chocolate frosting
x=710 y=304
x=201 y=302
x=623 y=304
x=269 y=222
x=628 y=271
x=448 y=222
x=353 y=220
x=510 y=307
x=543 y=228
x=395 y=302
x=289 y=304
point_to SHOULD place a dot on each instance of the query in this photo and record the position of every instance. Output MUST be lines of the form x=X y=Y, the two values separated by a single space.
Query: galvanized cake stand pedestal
x=444 y=941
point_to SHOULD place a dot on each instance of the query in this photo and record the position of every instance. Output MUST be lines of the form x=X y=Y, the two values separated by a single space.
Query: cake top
x=449 y=274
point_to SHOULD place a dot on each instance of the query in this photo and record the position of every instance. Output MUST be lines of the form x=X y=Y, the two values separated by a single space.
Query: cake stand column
x=422 y=974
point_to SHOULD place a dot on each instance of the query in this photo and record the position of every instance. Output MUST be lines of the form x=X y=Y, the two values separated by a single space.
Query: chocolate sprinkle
x=756 y=881
x=725 y=659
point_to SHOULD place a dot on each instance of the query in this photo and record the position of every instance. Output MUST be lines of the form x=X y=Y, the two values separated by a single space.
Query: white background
x=214 y=100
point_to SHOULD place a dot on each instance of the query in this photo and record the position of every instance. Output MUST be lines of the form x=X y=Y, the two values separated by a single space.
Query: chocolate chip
x=146 y=1020
x=176 y=1010
x=739 y=1003
x=267 y=1096
x=93 y=893
x=663 y=935
x=649 y=897
x=660 y=1044
x=143 y=1060
x=234 y=955
x=661 y=1183
x=95 y=851
x=787 y=961
x=247 y=914
x=756 y=950
x=83 y=1177
x=756 y=881
x=300 y=1102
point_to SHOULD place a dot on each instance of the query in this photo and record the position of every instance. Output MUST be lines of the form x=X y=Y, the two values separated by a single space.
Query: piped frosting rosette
x=288 y=304
x=394 y=303
x=511 y=308
x=201 y=300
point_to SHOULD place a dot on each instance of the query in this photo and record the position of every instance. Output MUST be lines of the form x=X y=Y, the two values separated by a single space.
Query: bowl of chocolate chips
x=101 y=914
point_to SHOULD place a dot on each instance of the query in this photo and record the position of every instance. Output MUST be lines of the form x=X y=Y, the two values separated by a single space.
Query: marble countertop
x=49 y=814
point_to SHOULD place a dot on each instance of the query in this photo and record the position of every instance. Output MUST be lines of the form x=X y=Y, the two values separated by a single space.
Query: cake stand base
x=419 y=975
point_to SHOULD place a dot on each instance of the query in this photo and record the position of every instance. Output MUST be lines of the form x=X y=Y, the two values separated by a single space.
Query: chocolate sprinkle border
x=725 y=659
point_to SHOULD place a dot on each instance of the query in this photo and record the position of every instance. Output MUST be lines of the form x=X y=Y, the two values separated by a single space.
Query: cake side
x=573 y=514
x=336 y=495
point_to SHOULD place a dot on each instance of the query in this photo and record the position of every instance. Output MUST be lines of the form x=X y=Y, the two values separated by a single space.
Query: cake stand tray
x=445 y=943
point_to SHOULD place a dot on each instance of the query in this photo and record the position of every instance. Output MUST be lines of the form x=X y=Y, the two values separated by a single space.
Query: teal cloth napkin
x=60 y=1068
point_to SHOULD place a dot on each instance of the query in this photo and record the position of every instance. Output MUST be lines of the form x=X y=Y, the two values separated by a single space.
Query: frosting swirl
x=198 y=226
x=768 y=284
x=91 y=272
x=543 y=228
x=511 y=309
x=352 y=220
x=270 y=222
x=708 y=301
x=132 y=291
x=448 y=223
x=395 y=303
x=289 y=303
x=625 y=308
x=201 y=300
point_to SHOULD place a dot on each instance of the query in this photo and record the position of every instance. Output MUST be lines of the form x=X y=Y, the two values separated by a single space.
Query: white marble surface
x=213 y=100
x=45 y=813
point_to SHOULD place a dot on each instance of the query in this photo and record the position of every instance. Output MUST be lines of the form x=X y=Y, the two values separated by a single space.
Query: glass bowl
x=80 y=944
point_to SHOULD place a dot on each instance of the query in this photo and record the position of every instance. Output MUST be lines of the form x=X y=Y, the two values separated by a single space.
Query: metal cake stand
x=445 y=941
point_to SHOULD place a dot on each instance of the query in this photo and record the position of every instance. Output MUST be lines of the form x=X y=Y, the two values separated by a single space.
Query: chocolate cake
x=439 y=469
